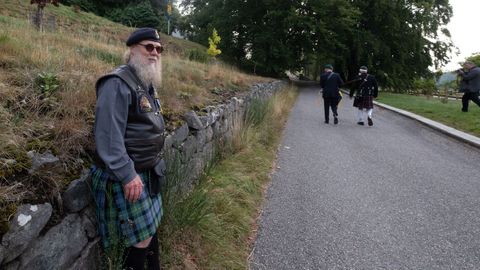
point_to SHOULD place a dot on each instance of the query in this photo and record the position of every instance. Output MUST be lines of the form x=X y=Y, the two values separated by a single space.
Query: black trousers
x=330 y=102
x=467 y=97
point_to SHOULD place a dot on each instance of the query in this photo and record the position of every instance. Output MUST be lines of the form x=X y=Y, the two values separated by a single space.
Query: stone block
x=78 y=194
x=25 y=226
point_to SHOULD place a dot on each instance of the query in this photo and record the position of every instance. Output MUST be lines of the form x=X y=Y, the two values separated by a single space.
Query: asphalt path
x=397 y=195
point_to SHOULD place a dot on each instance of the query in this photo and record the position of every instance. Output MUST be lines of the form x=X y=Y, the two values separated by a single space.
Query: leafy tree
x=475 y=58
x=397 y=40
x=213 y=41
x=135 y=15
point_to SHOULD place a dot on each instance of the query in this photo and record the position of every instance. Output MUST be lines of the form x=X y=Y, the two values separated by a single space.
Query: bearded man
x=129 y=136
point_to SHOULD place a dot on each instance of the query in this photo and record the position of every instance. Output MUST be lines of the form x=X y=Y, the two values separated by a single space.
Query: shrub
x=48 y=83
x=107 y=57
x=198 y=56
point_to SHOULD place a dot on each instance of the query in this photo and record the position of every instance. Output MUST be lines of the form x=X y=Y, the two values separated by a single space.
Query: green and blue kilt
x=121 y=222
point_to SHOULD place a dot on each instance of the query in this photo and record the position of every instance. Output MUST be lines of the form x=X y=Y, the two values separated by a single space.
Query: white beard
x=148 y=73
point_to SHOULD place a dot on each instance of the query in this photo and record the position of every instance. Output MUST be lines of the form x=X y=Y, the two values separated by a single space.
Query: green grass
x=438 y=109
x=212 y=227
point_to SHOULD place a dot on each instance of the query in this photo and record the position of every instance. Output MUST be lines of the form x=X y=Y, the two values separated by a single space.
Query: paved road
x=396 y=195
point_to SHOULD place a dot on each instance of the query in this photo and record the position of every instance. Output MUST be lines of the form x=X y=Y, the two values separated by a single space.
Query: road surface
x=397 y=195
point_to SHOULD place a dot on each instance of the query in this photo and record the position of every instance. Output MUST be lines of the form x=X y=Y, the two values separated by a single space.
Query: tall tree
x=397 y=39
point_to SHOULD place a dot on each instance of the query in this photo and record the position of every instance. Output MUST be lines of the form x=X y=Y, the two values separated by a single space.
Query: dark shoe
x=335 y=120
x=370 y=122
x=326 y=122
x=360 y=123
x=463 y=110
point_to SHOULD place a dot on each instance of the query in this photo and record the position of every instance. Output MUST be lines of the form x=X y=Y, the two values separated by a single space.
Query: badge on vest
x=145 y=105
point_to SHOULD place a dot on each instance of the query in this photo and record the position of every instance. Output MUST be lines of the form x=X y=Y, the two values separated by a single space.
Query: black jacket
x=365 y=85
x=471 y=80
x=330 y=83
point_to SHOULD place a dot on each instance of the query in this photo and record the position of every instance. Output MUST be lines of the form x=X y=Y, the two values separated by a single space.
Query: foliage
x=43 y=3
x=105 y=56
x=424 y=86
x=198 y=56
x=397 y=40
x=135 y=15
x=48 y=83
x=256 y=112
x=475 y=58
x=213 y=42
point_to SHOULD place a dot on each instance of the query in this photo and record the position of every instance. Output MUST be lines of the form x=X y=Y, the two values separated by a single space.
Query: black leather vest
x=144 y=135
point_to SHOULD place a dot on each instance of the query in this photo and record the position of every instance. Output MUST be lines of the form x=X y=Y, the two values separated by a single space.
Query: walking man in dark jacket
x=330 y=83
x=129 y=135
x=470 y=84
x=365 y=89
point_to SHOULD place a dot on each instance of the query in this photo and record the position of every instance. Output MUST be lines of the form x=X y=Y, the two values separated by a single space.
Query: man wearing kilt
x=365 y=89
x=129 y=136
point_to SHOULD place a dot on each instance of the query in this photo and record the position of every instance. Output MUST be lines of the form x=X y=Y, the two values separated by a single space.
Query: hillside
x=47 y=88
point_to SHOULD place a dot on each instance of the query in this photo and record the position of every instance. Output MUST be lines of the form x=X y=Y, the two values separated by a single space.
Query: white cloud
x=463 y=28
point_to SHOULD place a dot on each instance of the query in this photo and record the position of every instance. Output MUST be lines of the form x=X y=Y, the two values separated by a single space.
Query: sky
x=463 y=28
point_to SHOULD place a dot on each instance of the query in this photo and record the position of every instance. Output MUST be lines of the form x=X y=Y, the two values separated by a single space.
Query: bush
x=135 y=15
x=104 y=56
x=198 y=56
x=48 y=83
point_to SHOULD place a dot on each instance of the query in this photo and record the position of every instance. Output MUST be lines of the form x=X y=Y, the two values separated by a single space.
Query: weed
x=256 y=111
x=198 y=56
x=107 y=57
x=47 y=83
x=184 y=95
x=7 y=210
x=4 y=38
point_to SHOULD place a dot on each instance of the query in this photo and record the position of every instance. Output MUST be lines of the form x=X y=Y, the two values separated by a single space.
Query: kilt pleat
x=366 y=102
x=120 y=221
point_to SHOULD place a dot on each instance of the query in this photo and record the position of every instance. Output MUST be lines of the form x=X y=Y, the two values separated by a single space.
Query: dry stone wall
x=74 y=243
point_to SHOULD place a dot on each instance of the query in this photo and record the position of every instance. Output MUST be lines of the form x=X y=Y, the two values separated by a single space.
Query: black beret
x=143 y=34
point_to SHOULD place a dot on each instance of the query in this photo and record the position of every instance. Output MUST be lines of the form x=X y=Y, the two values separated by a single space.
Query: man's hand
x=133 y=189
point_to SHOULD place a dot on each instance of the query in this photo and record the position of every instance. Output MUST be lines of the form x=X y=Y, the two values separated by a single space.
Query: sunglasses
x=150 y=47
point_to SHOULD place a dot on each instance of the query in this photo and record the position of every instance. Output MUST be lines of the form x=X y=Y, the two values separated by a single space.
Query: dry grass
x=81 y=49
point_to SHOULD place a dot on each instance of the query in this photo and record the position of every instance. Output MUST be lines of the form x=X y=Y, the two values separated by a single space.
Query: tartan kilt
x=122 y=223
x=365 y=103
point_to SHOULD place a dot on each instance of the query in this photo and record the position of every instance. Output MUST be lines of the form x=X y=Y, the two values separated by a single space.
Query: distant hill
x=446 y=78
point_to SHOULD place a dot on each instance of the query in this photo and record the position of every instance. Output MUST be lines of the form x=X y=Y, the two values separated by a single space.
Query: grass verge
x=212 y=227
x=439 y=109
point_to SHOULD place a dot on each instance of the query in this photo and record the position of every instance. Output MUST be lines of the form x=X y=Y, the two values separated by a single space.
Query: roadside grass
x=214 y=226
x=439 y=109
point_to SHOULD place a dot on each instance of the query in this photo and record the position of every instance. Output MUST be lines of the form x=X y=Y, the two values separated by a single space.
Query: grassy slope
x=447 y=113
x=82 y=48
